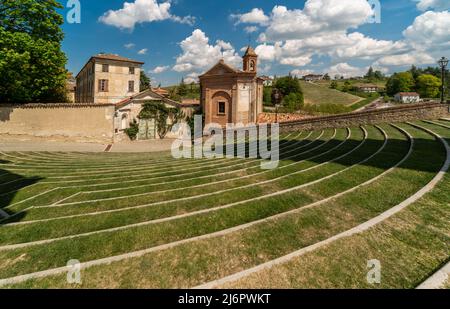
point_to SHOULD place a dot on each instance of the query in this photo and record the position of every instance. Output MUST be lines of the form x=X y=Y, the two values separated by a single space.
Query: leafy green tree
x=145 y=81
x=400 y=82
x=287 y=85
x=327 y=77
x=32 y=65
x=347 y=86
x=378 y=75
x=370 y=74
x=334 y=85
x=428 y=86
x=293 y=102
x=267 y=95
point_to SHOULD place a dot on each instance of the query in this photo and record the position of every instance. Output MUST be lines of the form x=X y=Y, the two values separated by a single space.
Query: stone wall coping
x=54 y=105
x=365 y=113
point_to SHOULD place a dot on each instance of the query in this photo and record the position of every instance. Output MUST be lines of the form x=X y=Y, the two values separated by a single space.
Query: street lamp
x=277 y=106
x=443 y=62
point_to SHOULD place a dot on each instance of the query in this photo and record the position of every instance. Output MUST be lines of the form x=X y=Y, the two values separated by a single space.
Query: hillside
x=315 y=94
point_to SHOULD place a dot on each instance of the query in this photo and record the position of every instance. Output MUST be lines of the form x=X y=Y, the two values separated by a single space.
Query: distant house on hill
x=108 y=78
x=313 y=77
x=368 y=88
x=407 y=97
x=267 y=81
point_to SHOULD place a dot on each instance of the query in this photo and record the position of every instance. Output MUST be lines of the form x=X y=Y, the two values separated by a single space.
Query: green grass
x=315 y=94
x=323 y=165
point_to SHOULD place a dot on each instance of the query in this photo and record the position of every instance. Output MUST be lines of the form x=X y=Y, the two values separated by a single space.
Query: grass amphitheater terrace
x=339 y=198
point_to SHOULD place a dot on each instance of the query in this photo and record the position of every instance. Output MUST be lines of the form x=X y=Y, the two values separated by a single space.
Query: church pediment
x=220 y=68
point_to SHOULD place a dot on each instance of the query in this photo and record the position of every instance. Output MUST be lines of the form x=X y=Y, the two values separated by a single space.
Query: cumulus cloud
x=317 y=17
x=431 y=29
x=346 y=70
x=141 y=11
x=198 y=54
x=255 y=16
x=251 y=29
x=439 y=5
x=406 y=59
x=143 y=51
x=300 y=73
x=191 y=78
x=159 y=69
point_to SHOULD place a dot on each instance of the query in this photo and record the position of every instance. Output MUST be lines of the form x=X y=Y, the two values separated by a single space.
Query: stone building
x=108 y=78
x=229 y=95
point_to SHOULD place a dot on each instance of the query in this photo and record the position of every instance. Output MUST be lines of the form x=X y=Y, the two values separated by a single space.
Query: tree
x=347 y=86
x=334 y=85
x=370 y=74
x=32 y=65
x=327 y=77
x=400 y=82
x=293 y=102
x=428 y=86
x=182 y=88
x=267 y=95
x=378 y=75
x=145 y=81
x=288 y=85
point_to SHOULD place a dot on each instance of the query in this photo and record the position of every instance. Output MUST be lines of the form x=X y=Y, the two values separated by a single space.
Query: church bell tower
x=250 y=61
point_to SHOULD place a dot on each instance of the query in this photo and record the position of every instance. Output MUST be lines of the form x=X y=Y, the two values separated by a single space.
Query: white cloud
x=408 y=59
x=296 y=61
x=159 y=69
x=141 y=11
x=129 y=45
x=251 y=29
x=143 y=51
x=317 y=16
x=191 y=78
x=430 y=30
x=255 y=16
x=346 y=70
x=199 y=55
x=266 y=52
x=439 y=5
x=301 y=73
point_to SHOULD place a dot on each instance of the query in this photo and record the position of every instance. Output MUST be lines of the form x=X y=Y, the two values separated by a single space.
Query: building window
x=131 y=86
x=221 y=108
x=131 y=70
x=105 y=68
x=103 y=85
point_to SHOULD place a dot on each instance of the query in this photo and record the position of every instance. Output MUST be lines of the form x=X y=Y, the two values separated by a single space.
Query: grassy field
x=317 y=94
x=338 y=199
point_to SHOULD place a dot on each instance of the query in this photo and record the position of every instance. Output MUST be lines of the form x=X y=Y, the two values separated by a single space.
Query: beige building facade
x=233 y=96
x=108 y=79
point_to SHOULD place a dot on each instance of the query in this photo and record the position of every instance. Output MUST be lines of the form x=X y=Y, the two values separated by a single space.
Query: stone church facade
x=233 y=96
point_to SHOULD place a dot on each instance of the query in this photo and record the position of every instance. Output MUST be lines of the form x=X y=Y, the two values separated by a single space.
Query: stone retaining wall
x=393 y=114
x=70 y=122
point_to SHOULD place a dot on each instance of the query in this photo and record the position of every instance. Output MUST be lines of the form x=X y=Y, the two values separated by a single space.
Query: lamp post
x=277 y=106
x=443 y=62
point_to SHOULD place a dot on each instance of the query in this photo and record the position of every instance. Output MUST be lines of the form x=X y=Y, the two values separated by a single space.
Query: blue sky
x=182 y=38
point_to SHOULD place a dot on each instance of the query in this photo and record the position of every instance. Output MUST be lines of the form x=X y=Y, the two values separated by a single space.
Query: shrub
x=133 y=130
x=293 y=102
